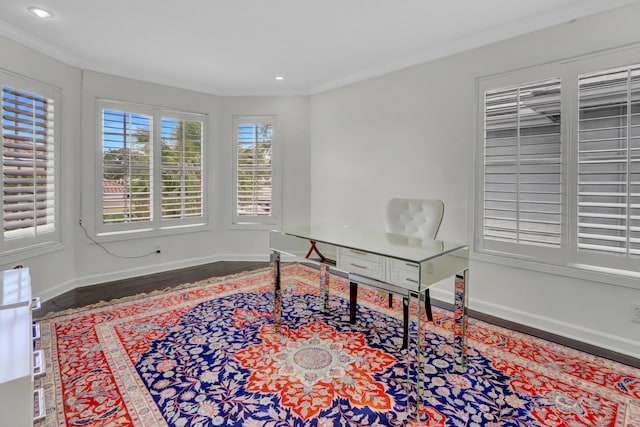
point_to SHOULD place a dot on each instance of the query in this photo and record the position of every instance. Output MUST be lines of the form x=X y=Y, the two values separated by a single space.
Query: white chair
x=415 y=218
x=413 y=222
x=420 y=218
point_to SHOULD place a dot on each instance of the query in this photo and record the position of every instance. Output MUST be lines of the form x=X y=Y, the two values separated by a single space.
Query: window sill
x=614 y=277
x=254 y=226
x=20 y=255
x=114 y=236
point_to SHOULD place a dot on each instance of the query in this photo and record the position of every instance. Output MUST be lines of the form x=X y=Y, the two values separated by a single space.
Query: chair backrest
x=414 y=217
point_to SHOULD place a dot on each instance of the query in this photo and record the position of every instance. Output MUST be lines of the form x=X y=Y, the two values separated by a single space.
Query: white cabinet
x=17 y=358
x=15 y=288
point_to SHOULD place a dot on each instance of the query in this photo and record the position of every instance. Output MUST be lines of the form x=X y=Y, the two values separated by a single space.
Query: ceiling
x=238 y=47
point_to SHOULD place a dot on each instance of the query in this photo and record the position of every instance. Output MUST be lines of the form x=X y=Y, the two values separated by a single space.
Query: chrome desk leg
x=277 y=296
x=460 y=322
x=414 y=356
x=324 y=287
x=405 y=321
x=353 y=302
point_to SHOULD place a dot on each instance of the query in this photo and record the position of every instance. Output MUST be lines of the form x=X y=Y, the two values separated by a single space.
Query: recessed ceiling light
x=40 y=13
x=279 y=77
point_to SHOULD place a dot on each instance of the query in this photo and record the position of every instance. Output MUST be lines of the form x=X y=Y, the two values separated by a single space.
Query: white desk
x=435 y=260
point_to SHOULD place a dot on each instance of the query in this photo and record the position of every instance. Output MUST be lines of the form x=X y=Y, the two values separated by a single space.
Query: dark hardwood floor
x=568 y=342
x=122 y=288
x=87 y=295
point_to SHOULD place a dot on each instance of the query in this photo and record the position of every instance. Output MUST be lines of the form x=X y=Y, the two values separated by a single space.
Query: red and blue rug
x=207 y=355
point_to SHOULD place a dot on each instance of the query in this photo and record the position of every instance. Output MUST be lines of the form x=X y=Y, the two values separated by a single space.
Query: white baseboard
x=56 y=290
x=568 y=330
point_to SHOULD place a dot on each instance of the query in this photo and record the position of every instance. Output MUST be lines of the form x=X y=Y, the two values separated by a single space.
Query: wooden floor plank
x=87 y=295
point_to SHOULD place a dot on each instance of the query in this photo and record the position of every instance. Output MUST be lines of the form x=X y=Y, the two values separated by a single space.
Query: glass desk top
x=376 y=242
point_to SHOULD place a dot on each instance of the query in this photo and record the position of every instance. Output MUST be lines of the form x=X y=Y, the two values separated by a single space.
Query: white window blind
x=609 y=161
x=28 y=164
x=152 y=168
x=181 y=169
x=560 y=176
x=522 y=201
x=254 y=173
x=126 y=167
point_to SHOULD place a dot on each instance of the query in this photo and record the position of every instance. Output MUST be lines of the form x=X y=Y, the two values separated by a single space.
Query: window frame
x=157 y=225
x=501 y=248
x=567 y=261
x=257 y=221
x=595 y=63
x=45 y=240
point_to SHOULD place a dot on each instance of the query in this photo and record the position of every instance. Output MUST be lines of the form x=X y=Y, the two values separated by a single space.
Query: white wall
x=411 y=134
x=221 y=241
x=93 y=264
x=58 y=266
x=291 y=138
x=80 y=262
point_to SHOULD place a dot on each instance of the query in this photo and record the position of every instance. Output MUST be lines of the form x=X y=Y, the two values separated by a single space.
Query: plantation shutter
x=126 y=167
x=254 y=169
x=181 y=169
x=609 y=161
x=522 y=165
x=28 y=163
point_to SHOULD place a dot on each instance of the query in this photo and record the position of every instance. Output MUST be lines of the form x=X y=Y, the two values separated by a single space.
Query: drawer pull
x=359 y=266
x=411 y=280
x=39 y=368
x=36 y=331
x=38 y=398
x=35 y=303
x=358 y=252
x=408 y=264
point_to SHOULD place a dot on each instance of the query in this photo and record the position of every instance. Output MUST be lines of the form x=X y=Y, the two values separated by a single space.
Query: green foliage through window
x=133 y=188
x=254 y=169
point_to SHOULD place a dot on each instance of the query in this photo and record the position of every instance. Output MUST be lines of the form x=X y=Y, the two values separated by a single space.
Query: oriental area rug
x=206 y=354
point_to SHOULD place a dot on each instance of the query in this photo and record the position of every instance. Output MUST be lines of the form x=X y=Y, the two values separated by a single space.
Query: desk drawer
x=403 y=273
x=362 y=263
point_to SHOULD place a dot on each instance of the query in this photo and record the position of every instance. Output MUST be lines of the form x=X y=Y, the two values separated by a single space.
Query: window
x=126 y=167
x=181 y=169
x=151 y=175
x=560 y=175
x=609 y=163
x=522 y=164
x=253 y=171
x=28 y=166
